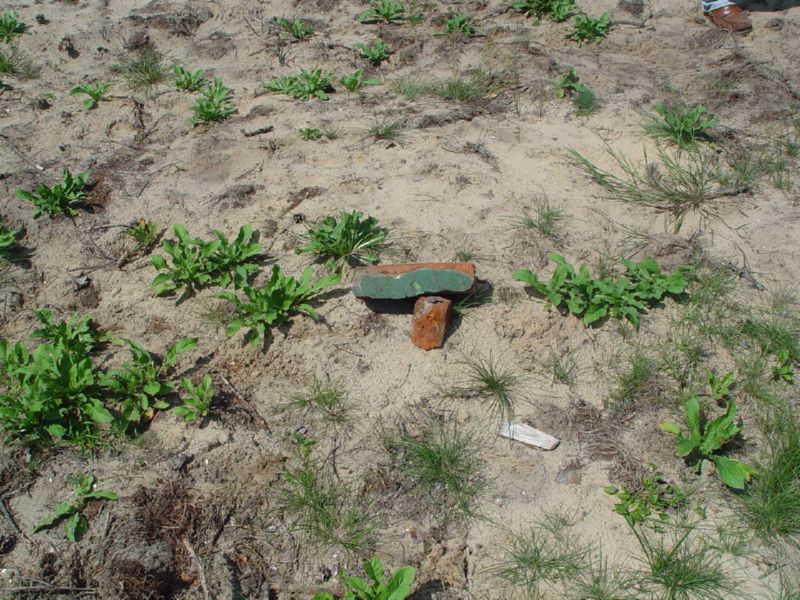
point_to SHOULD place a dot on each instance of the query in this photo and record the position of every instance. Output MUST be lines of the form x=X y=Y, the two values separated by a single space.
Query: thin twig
x=10 y=517
x=20 y=153
x=200 y=570
x=244 y=401
x=258 y=131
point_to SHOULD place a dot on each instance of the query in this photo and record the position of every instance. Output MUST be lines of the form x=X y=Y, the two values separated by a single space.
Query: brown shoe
x=730 y=17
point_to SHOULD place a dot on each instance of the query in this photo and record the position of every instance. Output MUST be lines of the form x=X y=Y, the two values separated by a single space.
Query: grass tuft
x=545 y=218
x=327 y=400
x=142 y=70
x=487 y=379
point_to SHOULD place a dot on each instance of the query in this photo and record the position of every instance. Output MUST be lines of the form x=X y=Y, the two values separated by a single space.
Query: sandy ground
x=438 y=196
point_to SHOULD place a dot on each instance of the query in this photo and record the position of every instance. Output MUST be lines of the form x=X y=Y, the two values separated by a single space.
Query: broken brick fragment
x=431 y=318
x=410 y=280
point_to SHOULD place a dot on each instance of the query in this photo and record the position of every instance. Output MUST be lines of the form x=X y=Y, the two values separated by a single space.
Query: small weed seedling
x=556 y=10
x=10 y=27
x=355 y=81
x=681 y=124
x=59 y=199
x=140 y=387
x=197 y=399
x=654 y=496
x=275 y=302
x=295 y=28
x=567 y=84
x=705 y=438
x=96 y=92
x=594 y=299
x=588 y=29
x=304 y=85
x=350 y=239
x=145 y=234
x=384 y=11
x=783 y=370
x=583 y=97
x=460 y=23
x=76 y=524
x=376 y=52
x=8 y=241
x=310 y=134
x=213 y=105
x=142 y=69
x=398 y=587
x=197 y=264
x=188 y=81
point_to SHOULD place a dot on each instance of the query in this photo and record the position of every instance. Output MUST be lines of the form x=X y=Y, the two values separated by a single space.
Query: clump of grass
x=487 y=379
x=352 y=238
x=560 y=369
x=464 y=88
x=15 y=63
x=676 y=185
x=413 y=87
x=143 y=69
x=481 y=296
x=543 y=555
x=325 y=509
x=771 y=503
x=442 y=462
x=545 y=218
x=385 y=128
x=327 y=400
x=637 y=384
x=681 y=566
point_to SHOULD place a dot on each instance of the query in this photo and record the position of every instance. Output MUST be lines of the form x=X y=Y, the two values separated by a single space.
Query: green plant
x=140 y=386
x=387 y=11
x=783 y=370
x=567 y=83
x=324 y=509
x=10 y=27
x=296 y=28
x=350 y=239
x=95 y=91
x=76 y=524
x=546 y=219
x=15 y=63
x=585 y=100
x=588 y=29
x=145 y=234
x=705 y=438
x=8 y=241
x=142 y=69
x=59 y=199
x=213 y=104
x=443 y=462
x=486 y=378
x=310 y=134
x=197 y=399
x=355 y=81
x=304 y=85
x=680 y=123
x=385 y=128
x=637 y=383
x=376 y=52
x=188 y=81
x=51 y=394
x=275 y=302
x=397 y=587
x=197 y=264
x=557 y=10
x=653 y=495
x=460 y=23
x=327 y=399
x=594 y=299
x=545 y=554
x=560 y=369
x=676 y=185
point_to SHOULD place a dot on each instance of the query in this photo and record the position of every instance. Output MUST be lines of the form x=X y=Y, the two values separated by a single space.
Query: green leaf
x=98 y=413
x=374 y=570
x=179 y=347
x=101 y=495
x=732 y=472
x=76 y=526
x=399 y=586
x=62 y=510
x=693 y=417
x=685 y=446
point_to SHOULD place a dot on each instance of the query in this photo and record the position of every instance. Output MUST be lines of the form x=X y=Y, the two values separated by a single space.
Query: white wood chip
x=528 y=435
